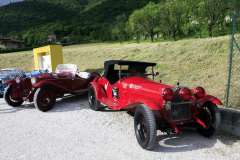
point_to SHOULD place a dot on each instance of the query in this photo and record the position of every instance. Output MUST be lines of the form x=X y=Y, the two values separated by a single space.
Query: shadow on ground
x=188 y=140
x=69 y=102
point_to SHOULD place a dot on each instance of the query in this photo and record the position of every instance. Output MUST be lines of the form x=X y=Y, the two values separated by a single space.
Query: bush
x=16 y=50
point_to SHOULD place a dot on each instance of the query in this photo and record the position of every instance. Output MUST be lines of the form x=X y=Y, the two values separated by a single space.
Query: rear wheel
x=211 y=116
x=145 y=127
x=44 y=98
x=93 y=102
x=8 y=97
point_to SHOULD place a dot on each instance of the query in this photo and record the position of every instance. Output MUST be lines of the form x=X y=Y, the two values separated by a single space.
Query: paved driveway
x=71 y=130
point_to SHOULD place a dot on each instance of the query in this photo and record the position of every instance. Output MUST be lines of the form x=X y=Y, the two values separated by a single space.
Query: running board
x=82 y=90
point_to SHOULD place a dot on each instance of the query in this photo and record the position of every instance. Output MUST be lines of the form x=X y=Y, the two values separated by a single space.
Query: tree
x=213 y=9
x=145 y=19
x=118 y=30
x=199 y=14
x=180 y=11
x=134 y=25
x=149 y=18
x=187 y=5
x=172 y=13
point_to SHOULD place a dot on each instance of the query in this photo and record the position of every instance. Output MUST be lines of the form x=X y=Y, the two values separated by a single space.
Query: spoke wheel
x=211 y=116
x=145 y=127
x=44 y=98
x=93 y=102
x=8 y=97
x=142 y=127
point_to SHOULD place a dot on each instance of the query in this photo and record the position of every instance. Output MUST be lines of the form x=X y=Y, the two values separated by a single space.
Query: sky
x=5 y=2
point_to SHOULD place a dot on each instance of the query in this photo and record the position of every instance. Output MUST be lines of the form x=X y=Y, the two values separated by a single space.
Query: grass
x=192 y=62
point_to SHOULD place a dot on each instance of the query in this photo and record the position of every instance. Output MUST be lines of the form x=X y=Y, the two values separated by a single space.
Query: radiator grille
x=180 y=110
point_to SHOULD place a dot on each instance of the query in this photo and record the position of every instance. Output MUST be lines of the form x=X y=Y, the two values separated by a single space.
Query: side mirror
x=157 y=73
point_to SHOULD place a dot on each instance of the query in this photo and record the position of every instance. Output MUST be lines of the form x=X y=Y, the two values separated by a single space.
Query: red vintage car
x=127 y=85
x=43 y=89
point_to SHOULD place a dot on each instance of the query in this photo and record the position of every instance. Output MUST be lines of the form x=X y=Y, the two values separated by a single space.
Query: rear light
x=167 y=94
x=199 y=92
x=185 y=94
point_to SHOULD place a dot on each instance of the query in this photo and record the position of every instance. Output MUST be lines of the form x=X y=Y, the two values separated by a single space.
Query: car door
x=80 y=83
x=117 y=93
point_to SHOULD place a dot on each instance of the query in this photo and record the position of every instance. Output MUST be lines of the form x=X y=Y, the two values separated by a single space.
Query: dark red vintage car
x=127 y=85
x=43 y=89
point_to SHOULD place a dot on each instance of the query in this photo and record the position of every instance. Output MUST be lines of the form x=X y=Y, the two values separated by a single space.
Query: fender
x=153 y=105
x=45 y=83
x=17 y=88
x=95 y=79
x=211 y=99
x=100 y=94
x=11 y=81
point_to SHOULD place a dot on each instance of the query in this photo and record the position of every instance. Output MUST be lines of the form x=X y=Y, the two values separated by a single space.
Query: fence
x=233 y=87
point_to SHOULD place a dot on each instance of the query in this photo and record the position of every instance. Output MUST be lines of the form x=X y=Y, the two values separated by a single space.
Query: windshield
x=66 y=67
x=4 y=72
x=133 y=70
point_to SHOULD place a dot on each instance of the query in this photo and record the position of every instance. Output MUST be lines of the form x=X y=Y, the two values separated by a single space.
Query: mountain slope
x=24 y=15
x=65 y=17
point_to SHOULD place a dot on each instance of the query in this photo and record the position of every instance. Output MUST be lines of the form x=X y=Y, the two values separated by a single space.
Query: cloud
x=5 y=2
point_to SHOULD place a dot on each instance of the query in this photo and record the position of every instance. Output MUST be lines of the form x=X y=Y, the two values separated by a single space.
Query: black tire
x=145 y=127
x=44 y=98
x=211 y=116
x=9 y=100
x=93 y=102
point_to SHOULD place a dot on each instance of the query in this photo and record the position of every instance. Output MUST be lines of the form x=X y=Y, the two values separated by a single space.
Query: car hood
x=145 y=85
x=54 y=76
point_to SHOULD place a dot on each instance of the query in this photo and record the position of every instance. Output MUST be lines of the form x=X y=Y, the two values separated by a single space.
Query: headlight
x=199 y=92
x=18 y=79
x=167 y=94
x=3 y=81
x=11 y=77
x=185 y=94
x=33 y=80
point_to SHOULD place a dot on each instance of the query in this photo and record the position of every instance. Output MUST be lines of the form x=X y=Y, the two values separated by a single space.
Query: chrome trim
x=183 y=103
x=82 y=90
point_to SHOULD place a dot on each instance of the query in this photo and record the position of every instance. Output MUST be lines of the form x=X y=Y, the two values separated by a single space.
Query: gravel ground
x=71 y=130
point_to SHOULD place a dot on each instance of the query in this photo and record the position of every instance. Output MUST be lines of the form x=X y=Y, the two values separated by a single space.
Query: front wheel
x=211 y=116
x=145 y=127
x=93 y=102
x=8 y=97
x=44 y=98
